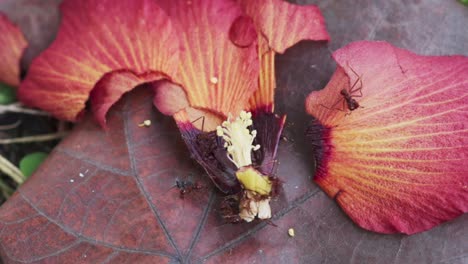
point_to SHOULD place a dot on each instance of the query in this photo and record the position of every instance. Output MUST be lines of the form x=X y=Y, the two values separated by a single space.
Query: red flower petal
x=169 y=98
x=242 y=32
x=264 y=97
x=216 y=73
x=398 y=163
x=12 y=45
x=112 y=86
x=285 y=24
x=95 y=38
x=281 y=25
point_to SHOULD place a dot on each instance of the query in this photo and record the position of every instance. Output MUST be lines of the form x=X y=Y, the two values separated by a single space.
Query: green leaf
x=31 y=162
x=465 y=2
x=7 y=94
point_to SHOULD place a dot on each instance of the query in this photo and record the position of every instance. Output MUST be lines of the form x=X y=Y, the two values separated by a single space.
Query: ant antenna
x=270 y=222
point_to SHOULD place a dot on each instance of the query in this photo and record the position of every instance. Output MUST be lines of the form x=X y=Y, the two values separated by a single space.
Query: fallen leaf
x=111 y=196
x=123 y=209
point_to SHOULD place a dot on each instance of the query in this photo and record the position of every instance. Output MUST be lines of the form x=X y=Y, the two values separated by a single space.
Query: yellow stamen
x=238 y=139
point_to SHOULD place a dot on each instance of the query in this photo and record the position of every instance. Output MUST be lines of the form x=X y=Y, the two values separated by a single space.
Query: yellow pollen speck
x=214 y=80
x=145 y=123
x=291 y=232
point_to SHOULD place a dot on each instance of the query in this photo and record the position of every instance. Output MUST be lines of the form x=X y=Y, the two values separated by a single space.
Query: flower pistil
x=239 y=145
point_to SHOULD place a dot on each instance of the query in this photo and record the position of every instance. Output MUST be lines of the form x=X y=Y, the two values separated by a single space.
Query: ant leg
x=351 y=68
x=203 y=122
x=333 y=106
x=343 y=106
x=359 y=79
x=348 y=113
x=268 y=221
x=354 y=84
x=176 y=185
x=358 y=89
x=325 y=107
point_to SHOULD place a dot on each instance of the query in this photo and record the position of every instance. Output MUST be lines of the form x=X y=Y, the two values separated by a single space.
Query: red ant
x=186 y=187
x=351 y=103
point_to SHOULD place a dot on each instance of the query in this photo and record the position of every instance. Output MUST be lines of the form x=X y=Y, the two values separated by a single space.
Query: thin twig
x=7 y=191
x=11 y=170
x=19 y=108
x=29 y=139
x=10 y=126
x=61 y=126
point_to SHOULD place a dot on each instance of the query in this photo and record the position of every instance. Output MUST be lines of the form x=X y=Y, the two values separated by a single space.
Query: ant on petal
x=348 y=97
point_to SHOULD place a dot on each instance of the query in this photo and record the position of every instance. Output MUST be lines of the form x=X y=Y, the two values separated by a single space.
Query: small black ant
x=186 y=187
x=348 y=96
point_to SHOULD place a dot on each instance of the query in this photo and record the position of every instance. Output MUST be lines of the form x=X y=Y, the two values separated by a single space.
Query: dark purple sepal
x=269 y=127
x=207 y=149
x=318 y=136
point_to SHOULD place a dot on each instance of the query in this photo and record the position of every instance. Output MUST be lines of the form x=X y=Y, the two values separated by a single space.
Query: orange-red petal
x=97 y=37
x=264 y=97
x=398 y=163
x=110 y=88
x=216 y=74
x=280 y=25
x=284 y=24
x=169 y=98
x=242 y=32
x=12 y=46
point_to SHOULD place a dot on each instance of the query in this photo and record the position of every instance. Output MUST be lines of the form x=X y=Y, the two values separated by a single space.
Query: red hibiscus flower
x=211 y=64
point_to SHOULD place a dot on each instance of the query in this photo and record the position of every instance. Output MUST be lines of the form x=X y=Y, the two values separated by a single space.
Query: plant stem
x=18 y=108
x=7 y=191
x=11 y=170
x=10 y=126
x=29 y=139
